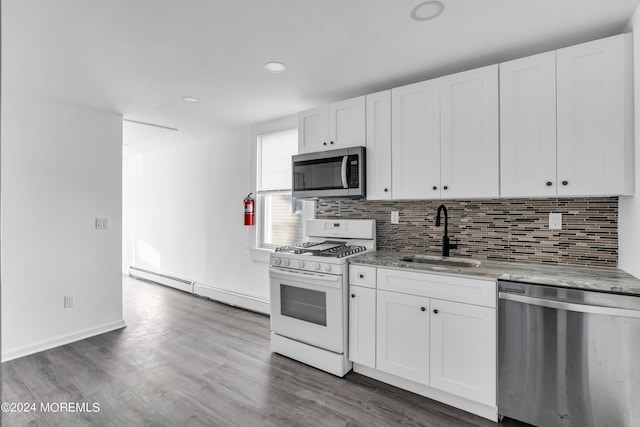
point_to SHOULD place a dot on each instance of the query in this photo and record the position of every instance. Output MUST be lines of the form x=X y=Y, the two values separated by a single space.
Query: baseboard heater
x=163 y=279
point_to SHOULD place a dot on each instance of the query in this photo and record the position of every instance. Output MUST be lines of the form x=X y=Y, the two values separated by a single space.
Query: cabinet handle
x=435 y=311
x=565 y=182
x=331 y=142
x=361 y=276
x=435 y=188
x=549 y=183
x=386 y=189
x=445 y=187
x=324 y=143
x=422 y=309
x=353 y=295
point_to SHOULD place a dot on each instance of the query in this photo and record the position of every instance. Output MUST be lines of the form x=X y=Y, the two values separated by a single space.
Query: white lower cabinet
x=362 y=325
x=402 y=345
x=463 y=350
x=430 y=331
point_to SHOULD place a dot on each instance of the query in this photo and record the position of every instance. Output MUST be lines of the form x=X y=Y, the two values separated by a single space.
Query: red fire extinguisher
x=249 y=214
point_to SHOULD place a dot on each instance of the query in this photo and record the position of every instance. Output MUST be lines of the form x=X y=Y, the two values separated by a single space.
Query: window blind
x=274 y=162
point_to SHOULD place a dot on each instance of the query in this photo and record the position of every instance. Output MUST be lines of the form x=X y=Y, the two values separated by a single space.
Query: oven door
x=307 y=307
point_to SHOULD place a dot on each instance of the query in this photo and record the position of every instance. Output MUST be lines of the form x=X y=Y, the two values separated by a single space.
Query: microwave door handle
x=345 y=182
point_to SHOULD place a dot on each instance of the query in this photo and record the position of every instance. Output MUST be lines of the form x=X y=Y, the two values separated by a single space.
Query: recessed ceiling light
x=190 y=99
x=275 y=67
x=427 y=10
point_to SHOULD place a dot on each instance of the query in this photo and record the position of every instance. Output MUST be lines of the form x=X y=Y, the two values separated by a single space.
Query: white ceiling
x=140 y=57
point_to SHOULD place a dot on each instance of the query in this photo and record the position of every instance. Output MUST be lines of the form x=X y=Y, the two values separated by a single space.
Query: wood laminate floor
x=188 y=361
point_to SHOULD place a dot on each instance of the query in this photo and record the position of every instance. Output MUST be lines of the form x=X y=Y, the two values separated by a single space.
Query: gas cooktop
x=328 y=248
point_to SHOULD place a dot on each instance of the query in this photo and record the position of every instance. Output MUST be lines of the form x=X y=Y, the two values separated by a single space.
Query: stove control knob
x=326 y=267
x=300 y=264
x=285 y=262
x=277 y=261
x=315 y=266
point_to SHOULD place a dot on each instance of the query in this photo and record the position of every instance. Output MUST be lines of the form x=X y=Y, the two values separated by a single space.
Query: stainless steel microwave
x=330 y=174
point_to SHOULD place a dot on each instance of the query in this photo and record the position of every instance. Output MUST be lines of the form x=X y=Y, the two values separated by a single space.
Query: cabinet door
x=528 y=126
x=415 y=147
x=402 y=339
x=470 y=151
x=463 y=350
x=379 y=146
x=594 y=133
x=362 y=326
x=347 y=123
x=312 y=130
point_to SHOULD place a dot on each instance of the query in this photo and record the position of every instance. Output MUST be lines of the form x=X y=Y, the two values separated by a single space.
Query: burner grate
x=328 y=248
x=292 y=248
x=342 y=251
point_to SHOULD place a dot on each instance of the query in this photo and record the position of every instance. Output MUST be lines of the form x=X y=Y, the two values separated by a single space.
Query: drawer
x=460 y=289
x=362 y=275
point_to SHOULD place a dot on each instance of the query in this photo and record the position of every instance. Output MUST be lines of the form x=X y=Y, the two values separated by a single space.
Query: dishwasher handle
x=570 y=306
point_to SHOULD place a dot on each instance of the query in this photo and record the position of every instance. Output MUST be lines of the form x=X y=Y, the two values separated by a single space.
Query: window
x=281 y=218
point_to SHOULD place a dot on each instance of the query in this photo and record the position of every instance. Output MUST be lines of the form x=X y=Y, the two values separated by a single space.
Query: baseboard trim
x=233 y=298
x=162 y=279
x=61 y=340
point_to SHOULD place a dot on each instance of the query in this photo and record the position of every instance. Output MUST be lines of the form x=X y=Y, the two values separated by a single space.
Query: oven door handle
x=570 y=306
x=345 y=182
x=326 y=279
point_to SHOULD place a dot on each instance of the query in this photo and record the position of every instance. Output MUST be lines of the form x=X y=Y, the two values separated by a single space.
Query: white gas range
x=309 y=292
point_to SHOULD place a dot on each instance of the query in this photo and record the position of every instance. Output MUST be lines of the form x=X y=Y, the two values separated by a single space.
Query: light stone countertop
x=588 y=278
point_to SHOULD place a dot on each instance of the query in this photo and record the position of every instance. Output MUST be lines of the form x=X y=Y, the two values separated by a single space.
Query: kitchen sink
x=444 y=262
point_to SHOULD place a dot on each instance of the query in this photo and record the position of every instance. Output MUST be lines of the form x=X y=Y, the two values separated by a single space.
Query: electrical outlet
x=555 y=221
x=395 y=217
x=102 y=223
x=68 y=301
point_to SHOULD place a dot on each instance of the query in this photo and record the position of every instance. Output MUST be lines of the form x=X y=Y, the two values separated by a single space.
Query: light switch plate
x=395 y=217
x=68 y=301
x=555 y=221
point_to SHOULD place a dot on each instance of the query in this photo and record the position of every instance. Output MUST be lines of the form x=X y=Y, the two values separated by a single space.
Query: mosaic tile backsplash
x=500 y=229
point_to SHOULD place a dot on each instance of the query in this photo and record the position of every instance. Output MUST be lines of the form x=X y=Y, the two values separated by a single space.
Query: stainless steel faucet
x=445 y=239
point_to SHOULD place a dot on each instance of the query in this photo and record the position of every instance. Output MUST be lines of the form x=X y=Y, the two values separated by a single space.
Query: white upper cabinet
x=347 y=123
x=528 y=126
x=469 y=139
x=595 y=118
x=313 y=129
x=554 y=124
x=415 y=148
x=565 y=122
x=445 y=137
x=333 y=126
x=378 y=106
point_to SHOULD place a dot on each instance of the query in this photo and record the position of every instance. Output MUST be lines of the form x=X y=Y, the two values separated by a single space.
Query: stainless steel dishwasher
x=568 y=357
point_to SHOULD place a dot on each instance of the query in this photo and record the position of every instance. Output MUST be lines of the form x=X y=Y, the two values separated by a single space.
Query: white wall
x=629 y=209
x=61 y=168
x=183 y=216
